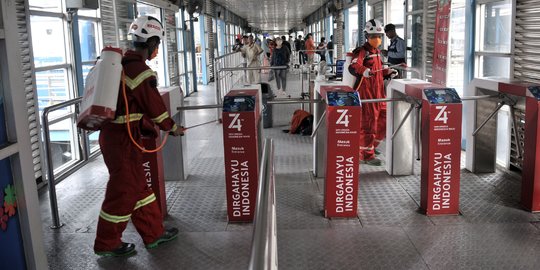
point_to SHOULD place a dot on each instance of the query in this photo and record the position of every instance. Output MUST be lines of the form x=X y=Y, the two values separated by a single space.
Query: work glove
x=367 y=73
x=393 y=73
x=178 y=132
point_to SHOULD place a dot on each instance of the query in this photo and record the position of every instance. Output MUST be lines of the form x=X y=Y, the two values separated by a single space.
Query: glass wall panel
x=48 y=41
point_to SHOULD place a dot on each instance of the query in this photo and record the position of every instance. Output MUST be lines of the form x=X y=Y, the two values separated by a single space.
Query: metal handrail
x=253 y=68
x=50 y=171
x=274 y=101
x=316 y=50
x=294 y=101
x=225 y=55
x=222 y=82
x=264 y=241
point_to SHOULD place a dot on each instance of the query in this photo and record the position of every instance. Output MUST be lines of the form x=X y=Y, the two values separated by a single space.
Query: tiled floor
x=492 y=232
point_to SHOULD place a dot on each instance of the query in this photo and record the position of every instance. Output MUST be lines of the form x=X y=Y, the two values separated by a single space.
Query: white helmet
x=146 y=27
x=374 y=27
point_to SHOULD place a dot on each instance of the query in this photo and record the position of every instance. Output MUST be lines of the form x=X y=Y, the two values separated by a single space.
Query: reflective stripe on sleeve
x=160 y=118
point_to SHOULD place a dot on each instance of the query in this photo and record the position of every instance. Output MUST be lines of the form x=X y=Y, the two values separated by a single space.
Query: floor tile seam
x=176 y=196
x=415 y=248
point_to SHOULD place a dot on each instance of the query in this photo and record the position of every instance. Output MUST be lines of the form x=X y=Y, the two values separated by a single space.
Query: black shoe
x=168 y=235
x=125 y=249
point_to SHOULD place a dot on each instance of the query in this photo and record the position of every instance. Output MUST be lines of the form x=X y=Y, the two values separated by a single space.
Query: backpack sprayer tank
x=98 y=105
x=348 y=78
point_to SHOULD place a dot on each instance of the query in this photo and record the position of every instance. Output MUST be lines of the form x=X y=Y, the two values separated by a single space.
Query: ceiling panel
x=272 y=15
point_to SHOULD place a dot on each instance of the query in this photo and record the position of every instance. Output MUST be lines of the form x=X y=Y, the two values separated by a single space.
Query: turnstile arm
x=474 y=98
x=403 y=120
x=489 y=117
x=514 y=124
x=318 y=124
x=417 y=131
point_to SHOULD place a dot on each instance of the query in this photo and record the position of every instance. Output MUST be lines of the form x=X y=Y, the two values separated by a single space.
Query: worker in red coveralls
x=128 y=196
x=367 y=66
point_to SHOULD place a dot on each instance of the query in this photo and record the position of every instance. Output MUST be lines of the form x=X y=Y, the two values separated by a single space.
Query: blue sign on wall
x=11 y=245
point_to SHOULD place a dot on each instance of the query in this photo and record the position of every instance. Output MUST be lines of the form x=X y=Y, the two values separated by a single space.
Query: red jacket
x=145 y=102
x=368 y=57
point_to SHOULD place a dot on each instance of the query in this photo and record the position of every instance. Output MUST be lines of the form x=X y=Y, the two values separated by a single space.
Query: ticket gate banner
x=441 y=151
x=530 y=186
x=240 y=140
x=342 y=163
x=153 y=171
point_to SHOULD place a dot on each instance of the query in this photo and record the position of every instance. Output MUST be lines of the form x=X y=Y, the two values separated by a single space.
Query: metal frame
x=52 y=180
x=9 y=150
x=264 y=242
x=477 y=39
x=469 y=58
x=18 y=132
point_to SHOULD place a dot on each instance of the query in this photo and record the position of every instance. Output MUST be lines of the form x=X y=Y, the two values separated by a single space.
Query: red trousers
x=127 y=196
x=373 y=129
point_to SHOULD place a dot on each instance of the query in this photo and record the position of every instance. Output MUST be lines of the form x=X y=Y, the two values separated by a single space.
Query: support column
x=19 y=153
x=211 y=44
x=339 y=31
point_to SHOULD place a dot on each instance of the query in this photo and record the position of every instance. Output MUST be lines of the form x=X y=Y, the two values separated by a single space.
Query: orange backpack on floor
x=301 y=123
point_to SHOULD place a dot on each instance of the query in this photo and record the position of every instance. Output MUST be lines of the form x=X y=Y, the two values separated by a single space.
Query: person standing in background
x=310 y=48
x=237 y=45
x=251 y=53
x=397 y=49
x=286 y=43
x=299 y=45
x=330 y=47
x=280 y=57
x=321 y=49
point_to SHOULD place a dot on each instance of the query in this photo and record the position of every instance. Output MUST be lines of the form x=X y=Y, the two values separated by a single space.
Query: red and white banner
x=441 y=156
x=240 y=141
x=342 y=158
x=440 y=50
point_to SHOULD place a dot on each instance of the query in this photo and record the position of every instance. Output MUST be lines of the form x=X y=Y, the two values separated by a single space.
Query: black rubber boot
x=168 y=235
x=125 y=249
